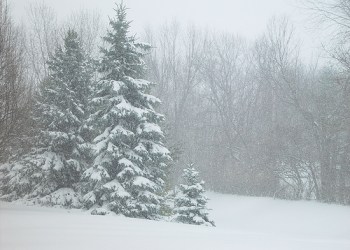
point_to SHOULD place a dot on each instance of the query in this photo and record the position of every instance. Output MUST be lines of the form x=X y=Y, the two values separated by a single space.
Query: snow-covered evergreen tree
x=129 y=170
x=50 y=172
x=190 y=201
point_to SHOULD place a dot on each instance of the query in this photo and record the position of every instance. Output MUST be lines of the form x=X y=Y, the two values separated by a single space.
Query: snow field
x=243 y=223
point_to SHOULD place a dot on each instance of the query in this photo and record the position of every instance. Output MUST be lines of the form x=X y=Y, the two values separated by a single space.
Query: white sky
x=245 y=17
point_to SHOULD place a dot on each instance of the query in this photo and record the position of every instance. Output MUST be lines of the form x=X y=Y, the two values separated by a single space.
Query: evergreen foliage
x=129 y=169
x=190 y=201
x=57 y=158
x=123 y=56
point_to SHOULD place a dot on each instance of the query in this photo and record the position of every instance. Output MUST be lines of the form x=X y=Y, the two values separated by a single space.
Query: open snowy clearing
x=242 y=223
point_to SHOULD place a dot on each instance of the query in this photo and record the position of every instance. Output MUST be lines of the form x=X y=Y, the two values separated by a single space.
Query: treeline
x=254 y=115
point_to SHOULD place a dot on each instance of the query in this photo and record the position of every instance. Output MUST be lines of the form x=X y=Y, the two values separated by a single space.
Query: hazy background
x=247 y=18
x=255 y=93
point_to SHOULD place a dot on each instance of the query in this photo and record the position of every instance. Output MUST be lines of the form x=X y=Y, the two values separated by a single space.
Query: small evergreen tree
x=129 y=169
x=54 y=166
x=190 y=201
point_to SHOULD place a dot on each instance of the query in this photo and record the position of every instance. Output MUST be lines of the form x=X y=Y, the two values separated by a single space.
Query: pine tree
x=51 y=171
x=129 y=170
x=190 y=201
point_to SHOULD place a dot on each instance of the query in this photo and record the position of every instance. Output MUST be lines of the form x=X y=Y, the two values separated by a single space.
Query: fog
x=121 y=108
x=243 y=17
x=144 y=109
x=247 y=18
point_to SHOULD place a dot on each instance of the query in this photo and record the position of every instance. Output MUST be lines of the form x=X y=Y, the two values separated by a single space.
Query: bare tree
x=255 y=117
x=43 y=37
x=333 y=13
x=335 y=17
x=45 y=31
x=13 y=92
x=175 y=66
x=89 y=27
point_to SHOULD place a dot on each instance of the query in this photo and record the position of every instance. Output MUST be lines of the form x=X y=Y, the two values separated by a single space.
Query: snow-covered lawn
x=242 y=223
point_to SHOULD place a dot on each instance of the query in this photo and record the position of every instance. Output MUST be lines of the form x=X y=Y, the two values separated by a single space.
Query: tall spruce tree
x=190 y=201
x=51 y=171
x=129 y=170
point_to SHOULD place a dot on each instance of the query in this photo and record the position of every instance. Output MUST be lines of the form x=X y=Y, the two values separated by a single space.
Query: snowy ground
x=242 y=223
